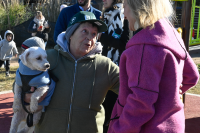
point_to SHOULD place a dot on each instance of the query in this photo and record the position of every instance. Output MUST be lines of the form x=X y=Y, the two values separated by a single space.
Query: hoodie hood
x=162 y=35
x=8 y=31
x=62 y=42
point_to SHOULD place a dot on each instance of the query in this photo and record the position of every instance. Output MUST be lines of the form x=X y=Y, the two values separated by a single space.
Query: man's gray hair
x=70 y=30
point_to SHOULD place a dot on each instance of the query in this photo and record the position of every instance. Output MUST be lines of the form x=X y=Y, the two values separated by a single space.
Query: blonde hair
x=39 y=14
x=147 y=12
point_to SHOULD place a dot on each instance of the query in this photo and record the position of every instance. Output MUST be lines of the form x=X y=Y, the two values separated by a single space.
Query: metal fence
x=195 y=24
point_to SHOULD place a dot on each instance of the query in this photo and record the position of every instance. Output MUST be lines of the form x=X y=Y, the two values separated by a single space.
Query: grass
x=6 y=83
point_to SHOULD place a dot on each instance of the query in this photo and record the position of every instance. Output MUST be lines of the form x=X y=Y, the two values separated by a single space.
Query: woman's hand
x=180 y=91
x=39 y=29
x=27 y=98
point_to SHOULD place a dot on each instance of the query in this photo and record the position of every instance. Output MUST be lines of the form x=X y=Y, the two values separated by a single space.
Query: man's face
x=9 y=38
x=83 y=40
x=107 y=3
x=83 y=2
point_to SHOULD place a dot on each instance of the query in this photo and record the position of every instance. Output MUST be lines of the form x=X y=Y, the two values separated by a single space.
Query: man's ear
x=24 y=56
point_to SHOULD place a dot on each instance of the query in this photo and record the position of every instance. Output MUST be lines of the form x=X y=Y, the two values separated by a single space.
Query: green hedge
x=13 y=15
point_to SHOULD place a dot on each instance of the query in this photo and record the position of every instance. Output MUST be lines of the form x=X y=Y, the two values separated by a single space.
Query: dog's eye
x=39 y=58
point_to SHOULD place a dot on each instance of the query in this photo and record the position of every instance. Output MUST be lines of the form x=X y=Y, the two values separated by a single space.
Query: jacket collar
x=77 y=9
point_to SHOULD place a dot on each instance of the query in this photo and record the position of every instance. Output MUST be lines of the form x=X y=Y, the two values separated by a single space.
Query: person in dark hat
x=84 y=77
x=67 y=13
x=32 y=42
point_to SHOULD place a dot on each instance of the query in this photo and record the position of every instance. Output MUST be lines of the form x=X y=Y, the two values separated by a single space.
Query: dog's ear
x=24 y=56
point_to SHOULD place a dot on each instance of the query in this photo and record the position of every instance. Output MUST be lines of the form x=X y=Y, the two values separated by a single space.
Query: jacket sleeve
x=142 y=85
x=97 y=13
x=30 y=27
x=190 y=74
x=113 y=73
x=47 y=30
x=61 y=24
x=118 y=43
x=15 y=51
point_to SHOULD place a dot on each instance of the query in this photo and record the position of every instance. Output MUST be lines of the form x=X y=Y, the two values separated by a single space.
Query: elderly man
x=84 y=77
x=68 y=12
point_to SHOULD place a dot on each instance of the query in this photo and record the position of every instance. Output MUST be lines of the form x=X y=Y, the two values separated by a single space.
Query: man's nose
x=90 y=37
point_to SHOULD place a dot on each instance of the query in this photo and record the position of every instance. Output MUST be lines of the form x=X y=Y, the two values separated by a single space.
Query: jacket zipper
x=73 y=88
x=72 y=97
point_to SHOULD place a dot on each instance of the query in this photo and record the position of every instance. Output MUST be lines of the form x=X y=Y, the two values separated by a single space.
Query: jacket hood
x=62 y=42
x=8 y=31
x=162 y=35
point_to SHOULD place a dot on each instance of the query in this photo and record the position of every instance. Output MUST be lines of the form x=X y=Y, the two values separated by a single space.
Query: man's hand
x=15 y=55
x=28 y=96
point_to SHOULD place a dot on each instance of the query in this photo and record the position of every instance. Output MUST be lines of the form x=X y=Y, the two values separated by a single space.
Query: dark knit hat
x=33 y=42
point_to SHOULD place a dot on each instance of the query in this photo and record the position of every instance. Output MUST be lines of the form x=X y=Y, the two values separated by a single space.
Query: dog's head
x=35 y=58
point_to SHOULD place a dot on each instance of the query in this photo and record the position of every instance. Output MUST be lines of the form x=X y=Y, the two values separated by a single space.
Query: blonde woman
x=153 y=66
x=39 y=27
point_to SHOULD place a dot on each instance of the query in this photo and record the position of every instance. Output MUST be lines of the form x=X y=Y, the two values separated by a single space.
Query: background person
x=76 y=105
x=7 y=50
x=152 y=68
x=67 y=13
x=62 y=6
x=114 y=42
x=39 y=27
x=115 y=38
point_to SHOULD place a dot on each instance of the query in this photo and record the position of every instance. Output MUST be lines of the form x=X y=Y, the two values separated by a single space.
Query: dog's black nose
x=47 y=65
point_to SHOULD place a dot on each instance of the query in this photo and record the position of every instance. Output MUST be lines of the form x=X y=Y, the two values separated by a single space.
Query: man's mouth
x=81 y=1
x=87 y=44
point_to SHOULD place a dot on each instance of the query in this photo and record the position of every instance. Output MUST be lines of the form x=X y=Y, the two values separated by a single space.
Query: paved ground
x=192 y=113
x=192 y=105
x=195 y=53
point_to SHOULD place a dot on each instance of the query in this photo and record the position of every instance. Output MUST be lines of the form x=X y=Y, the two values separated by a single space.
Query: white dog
x=33 y=62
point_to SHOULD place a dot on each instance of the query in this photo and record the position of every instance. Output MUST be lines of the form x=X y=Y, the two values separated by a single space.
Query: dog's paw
x=16 y=108
x=33 y=108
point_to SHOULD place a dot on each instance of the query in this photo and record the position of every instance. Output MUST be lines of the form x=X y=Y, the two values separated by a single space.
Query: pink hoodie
x=152 y=68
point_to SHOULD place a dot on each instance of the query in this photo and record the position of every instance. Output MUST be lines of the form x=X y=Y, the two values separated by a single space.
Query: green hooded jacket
x=76 y=105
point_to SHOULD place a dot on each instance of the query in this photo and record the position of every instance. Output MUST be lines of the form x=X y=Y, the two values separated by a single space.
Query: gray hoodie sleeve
x=15 y=51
